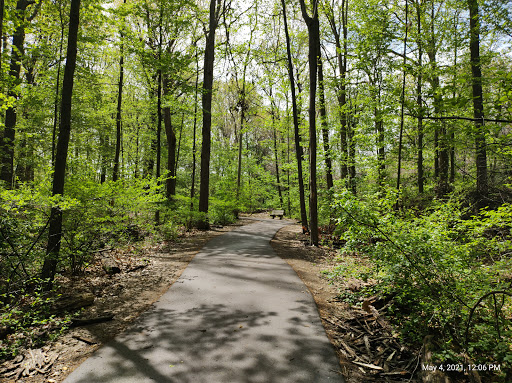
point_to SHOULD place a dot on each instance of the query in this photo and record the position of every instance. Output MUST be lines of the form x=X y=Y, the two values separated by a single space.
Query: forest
x=383 y=127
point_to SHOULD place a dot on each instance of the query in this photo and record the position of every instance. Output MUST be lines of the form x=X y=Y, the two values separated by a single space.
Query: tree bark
x=158 y=134
x=323 y=122
x=440 y=139
x=57 y=86
x=402 y=102
x=209 y=57
x=313 y=42
x=7 y=141
x=115 y=174
x=193 y=176
x=276 y=157
x=298 y=148
x=342 y=91
x=55 y=229
x=478 y=103
x=419 y=100
x=171 y=153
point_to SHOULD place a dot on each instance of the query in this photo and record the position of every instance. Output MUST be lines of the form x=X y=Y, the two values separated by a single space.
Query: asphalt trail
x=237 y=314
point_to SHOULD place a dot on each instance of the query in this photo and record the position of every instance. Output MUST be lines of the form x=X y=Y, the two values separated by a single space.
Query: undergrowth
x=449 y=276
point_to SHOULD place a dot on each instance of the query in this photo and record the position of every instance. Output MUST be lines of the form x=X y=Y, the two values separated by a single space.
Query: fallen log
x=78 y=322
x=73 y=302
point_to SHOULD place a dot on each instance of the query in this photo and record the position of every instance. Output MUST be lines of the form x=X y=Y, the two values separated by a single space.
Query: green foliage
x=222 y=212
x=436 y=266
x=27 y=320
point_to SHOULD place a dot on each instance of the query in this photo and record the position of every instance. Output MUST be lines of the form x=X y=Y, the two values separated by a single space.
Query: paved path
x=238 y=313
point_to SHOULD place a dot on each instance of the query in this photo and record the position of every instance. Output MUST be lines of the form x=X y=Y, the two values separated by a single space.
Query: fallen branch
x=78 y=322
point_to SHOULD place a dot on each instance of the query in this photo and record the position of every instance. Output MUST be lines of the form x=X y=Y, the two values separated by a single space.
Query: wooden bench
x=277 y=213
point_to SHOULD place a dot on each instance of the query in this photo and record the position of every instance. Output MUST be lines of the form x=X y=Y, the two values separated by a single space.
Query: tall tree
x=325 y=128
x=59 y=174
x=312 y=23
x=115 y=174
x=18 y=42
x=478 y=103
x=209 y=57
x=402 y=100
x=298 y=148
x=341 y=93
x=419 y=97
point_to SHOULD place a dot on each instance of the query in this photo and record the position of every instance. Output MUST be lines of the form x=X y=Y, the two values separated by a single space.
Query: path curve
x=238 y=313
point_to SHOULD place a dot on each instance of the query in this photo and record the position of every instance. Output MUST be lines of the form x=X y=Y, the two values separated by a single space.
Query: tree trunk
x=209 y=57
x=7 y=141
x=402 y=102
x=57 y=87
x=55 y=229
x=342 y=91
x=419 y=100
x=381 y=149
x=298 y=147
x=325 y=129
x=440 y=139
x=240 y=140
x=276 y=157
x=115 y=174
x=171 y=154
x=193 y=176
x=158 y=133
x=2 y=11
x=478 y=103
x=314 y=43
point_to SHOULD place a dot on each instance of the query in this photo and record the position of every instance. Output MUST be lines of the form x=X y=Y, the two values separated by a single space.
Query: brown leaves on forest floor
x=110 y=302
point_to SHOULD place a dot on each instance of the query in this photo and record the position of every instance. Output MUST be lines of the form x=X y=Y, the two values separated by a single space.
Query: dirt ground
x=147 y=272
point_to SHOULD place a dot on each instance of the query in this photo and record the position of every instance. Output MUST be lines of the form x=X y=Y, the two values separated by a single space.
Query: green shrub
x=437 y=266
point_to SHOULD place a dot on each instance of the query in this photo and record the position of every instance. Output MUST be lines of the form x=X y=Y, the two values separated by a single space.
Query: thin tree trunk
x=115 y=174
x=171 y=154
x=342 y=91
x=2 y=11
x=158 y=133
x=57 y=87
x=419 y=100
x=209 y=57
x=478 y=103
x=103 y=161
x=7 y=140
x=298 y=148
x=193 y=176
x=325 y=129
x=179 y=147
x=55 y=229
x=171 y=146
x=240 y=141
x=314 y=42
x=276 y=157
x=352 y=155
x=402 y=102
x=381 y=150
